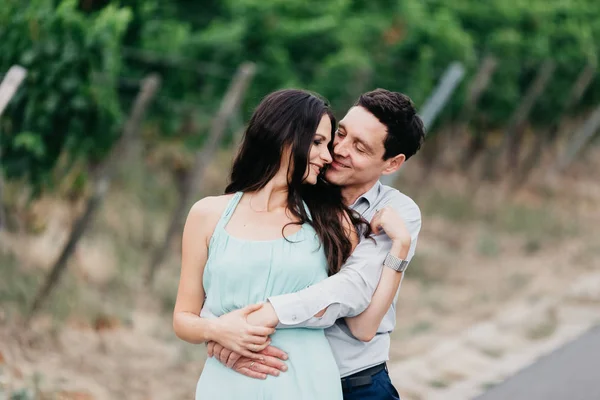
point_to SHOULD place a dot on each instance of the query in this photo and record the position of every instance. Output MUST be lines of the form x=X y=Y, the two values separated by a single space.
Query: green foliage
x=522 y=35
x=68 y=107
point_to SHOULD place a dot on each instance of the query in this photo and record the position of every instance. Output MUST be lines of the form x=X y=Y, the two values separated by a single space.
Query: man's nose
x=340 y=149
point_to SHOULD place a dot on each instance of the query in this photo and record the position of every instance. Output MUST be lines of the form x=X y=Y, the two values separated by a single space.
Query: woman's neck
x=272 y=197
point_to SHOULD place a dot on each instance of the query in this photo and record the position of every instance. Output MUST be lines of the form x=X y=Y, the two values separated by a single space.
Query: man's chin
x=335 y=177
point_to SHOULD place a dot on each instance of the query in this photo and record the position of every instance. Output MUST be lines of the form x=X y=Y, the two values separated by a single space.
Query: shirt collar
x=370 y=195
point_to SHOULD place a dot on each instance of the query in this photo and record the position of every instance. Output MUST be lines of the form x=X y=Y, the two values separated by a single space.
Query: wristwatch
x=395 y=263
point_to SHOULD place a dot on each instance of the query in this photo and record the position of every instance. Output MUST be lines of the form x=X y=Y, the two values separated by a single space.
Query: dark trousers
x=381 y=388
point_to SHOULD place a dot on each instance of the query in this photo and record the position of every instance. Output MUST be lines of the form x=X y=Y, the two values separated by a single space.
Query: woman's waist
x=300 y=339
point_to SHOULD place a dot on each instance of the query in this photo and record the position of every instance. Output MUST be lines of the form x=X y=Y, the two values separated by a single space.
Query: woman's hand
x=233 y=332
x=389 y=221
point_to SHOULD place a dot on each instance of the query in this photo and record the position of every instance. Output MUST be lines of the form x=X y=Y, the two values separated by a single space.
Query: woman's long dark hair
x=289 y=118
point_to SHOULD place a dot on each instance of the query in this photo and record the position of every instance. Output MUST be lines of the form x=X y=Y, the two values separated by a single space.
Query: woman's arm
x=231 y=330
x=364 y=326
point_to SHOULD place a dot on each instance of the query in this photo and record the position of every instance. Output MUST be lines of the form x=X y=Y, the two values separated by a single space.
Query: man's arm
x=366 y=325
x=349 y=292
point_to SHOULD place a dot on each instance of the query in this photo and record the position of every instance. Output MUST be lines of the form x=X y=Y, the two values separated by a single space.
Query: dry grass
x=476 y=252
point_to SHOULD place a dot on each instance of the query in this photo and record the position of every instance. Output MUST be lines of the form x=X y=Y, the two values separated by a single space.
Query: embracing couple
x=291 y=277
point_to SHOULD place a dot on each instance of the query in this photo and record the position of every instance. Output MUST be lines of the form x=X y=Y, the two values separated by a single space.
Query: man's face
x=358 y=150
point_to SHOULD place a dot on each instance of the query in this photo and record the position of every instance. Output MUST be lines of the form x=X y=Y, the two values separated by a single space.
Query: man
x=377 y=135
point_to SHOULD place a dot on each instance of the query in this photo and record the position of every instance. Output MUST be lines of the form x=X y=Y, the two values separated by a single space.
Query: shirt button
x=293 y=317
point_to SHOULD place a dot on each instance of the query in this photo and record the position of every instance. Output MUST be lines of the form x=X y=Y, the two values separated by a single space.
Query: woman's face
x=319 y=155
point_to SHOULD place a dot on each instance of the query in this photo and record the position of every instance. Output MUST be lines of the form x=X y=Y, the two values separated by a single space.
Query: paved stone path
x=572 y=372
x=466 y=365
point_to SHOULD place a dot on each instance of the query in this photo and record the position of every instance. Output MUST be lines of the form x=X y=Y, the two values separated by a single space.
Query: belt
x=362 y=378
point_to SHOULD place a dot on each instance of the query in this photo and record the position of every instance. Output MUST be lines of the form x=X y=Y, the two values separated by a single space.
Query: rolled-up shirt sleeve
x=349 y=292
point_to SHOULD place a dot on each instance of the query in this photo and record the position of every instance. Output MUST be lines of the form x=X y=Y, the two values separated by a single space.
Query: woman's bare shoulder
x=211 y=204
x=208 y=210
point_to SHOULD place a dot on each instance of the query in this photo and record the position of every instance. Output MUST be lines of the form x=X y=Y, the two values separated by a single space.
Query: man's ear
x=393 y=164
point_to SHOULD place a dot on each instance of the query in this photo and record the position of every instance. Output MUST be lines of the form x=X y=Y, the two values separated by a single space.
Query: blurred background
x=117 y=115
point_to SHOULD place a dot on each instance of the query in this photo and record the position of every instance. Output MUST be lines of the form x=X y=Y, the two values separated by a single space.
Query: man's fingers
x=251 y=308
x=274 y=352
x=274 y=363
x=233 y=358
x=217 y=349
x=224 y=355
x=209 y=348
x=265 y=369
x=376 y=224
x=251 y=374
x=260 y=330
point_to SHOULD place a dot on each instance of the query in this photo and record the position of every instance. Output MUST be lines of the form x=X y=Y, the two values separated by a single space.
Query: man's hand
x=389 y=221
x=264 y=316
x=269 y=364
x=225 y=356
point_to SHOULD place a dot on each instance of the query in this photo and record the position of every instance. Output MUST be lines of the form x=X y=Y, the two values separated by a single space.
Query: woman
x=271 y=233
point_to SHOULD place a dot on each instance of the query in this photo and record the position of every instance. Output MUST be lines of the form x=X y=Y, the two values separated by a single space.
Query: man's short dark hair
x=405 y=129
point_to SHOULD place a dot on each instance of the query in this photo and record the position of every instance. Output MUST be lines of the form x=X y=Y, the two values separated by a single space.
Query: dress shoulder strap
x=231 y=206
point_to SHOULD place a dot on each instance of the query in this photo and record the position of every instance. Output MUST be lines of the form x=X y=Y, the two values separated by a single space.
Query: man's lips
x=338 y=165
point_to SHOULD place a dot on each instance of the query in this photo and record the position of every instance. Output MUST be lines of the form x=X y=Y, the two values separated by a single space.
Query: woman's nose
x=326 y=156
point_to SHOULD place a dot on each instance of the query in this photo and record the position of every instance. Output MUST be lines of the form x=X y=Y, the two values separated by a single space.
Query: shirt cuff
x=289 y=309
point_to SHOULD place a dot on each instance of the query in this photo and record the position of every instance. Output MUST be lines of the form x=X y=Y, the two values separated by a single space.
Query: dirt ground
x=105 y=337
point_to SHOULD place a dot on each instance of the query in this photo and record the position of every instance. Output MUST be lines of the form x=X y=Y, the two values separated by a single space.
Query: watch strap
x=395 y=263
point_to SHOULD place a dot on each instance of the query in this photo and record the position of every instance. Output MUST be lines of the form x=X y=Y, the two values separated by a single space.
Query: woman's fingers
x=250 y=309
x=251 y=339
x=250 y=354
x=257 y=348
x=260 y=330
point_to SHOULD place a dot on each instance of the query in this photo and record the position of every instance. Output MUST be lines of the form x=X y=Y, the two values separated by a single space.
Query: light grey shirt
x=349 y=292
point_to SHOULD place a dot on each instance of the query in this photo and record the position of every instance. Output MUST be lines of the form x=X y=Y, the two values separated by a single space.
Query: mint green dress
x=240 y=272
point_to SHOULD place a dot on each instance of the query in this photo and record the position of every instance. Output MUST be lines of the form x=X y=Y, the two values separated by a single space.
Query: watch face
x=403 y=266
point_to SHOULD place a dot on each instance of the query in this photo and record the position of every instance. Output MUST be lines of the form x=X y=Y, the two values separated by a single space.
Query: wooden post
x=514 y=131
x=543 y=141
x=584 y=80
x=476 y=88
x=11 y=82
x=580 y=139
x=203 y=158
x=436 y=102
x=104 y=175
